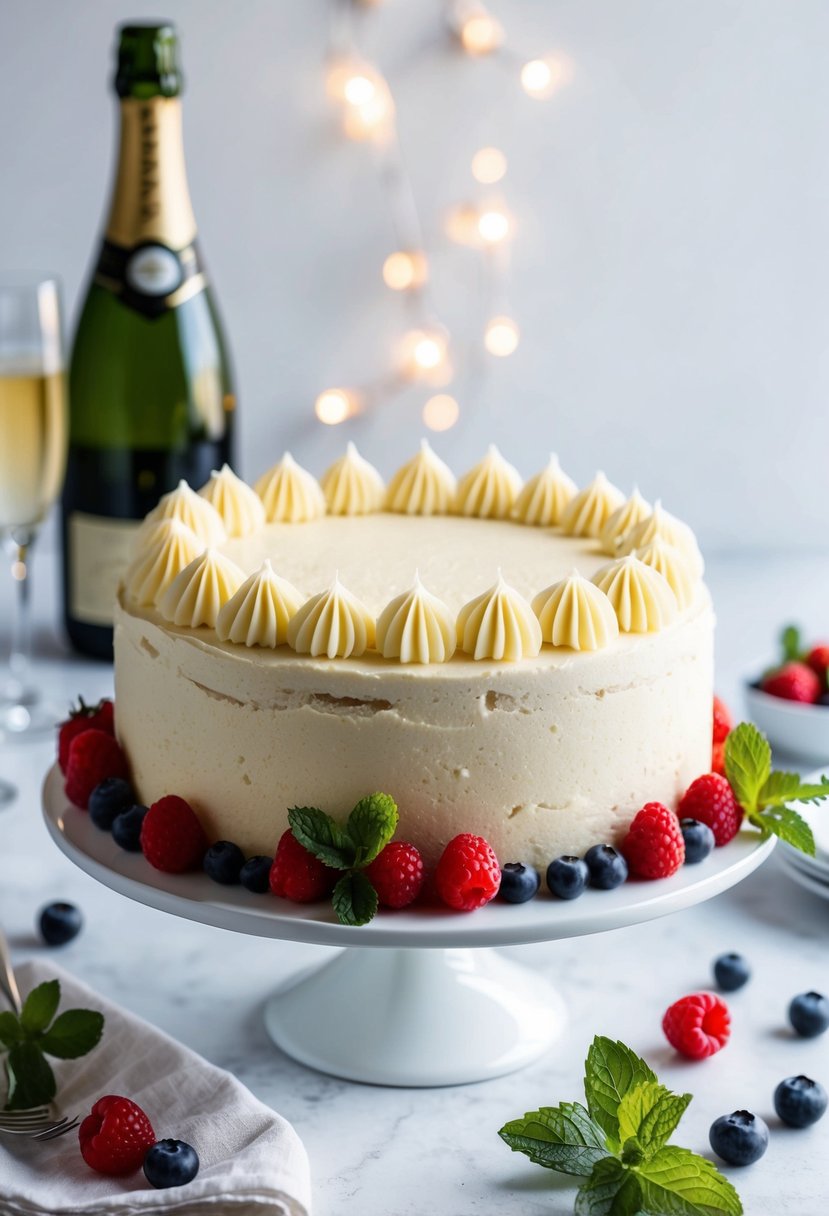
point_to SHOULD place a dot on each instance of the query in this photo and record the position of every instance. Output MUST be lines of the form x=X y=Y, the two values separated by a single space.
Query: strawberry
x=792 y=682
x=85 y=717
x=94 y=755
x=818 y=660
x=722 y=720
x=718 y=759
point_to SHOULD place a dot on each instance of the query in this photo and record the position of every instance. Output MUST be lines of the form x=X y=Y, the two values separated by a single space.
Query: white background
x=670 y=261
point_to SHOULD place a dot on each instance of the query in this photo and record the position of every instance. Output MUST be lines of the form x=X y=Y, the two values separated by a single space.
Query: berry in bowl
x=790 y=700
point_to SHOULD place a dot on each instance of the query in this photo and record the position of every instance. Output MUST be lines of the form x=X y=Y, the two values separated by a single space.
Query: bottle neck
x=151 y=201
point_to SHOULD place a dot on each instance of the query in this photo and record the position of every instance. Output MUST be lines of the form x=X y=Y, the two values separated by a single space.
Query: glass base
x=8 y=793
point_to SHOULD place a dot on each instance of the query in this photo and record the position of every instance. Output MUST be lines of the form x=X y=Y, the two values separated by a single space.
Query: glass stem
x=19 y=690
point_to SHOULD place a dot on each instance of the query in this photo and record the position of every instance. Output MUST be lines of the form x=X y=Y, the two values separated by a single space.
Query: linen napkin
x=252 y=1161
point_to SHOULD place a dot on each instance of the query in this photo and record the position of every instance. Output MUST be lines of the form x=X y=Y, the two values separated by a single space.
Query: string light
x=424 y=351
x=405 y=270
x=488 y=166
x=481 y=34
x=541 y=77
x=501 y=336
x=493 y=225
x=441 y=412
x=335 y=405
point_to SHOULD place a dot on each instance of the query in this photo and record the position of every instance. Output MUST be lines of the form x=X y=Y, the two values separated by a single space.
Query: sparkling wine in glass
x=33 y=437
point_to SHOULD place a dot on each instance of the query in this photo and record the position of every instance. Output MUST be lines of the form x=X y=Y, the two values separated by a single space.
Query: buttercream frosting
x=641 y=597
x=170 y=546
x=416 y=627
x=259 y=612
x=499 y=624
x=334 y=623
x=191 y=509
x=490 y=489
x=423 y=486
x=575 y=613
x=673 y=565
x=196 y=595
x=661 y=525
x=291 y=494
x=589 y=511
x=620 y=522
x=352 y=486
x=239 y=506
x=544 y=497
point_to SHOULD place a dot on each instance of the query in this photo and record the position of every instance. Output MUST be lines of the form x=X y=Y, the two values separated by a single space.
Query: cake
x=527 y=662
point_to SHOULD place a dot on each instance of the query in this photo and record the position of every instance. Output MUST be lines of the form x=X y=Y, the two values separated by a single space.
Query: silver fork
x=38 y=1123
x=35 y=1124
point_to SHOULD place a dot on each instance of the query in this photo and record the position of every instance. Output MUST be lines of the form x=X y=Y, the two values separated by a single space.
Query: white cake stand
x=417 y=998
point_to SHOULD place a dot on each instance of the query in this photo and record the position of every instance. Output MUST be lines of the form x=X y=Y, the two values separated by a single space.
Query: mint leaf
x=562 y=1138
x=787 y=787
x=677 y=1182
x=40 y=1007
x=10 y=1031
x=747 y=763
x=791 y=644
x=371 y=826
x=788 y=825
x=73 y=1033
x=31 y=1080
x=322 y=836
x=355 y=899
x=611 y=1190
x=611 y=1069
x=649 y=1113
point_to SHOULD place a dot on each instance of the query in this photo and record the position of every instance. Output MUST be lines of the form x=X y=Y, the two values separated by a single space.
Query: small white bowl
x=802 y=731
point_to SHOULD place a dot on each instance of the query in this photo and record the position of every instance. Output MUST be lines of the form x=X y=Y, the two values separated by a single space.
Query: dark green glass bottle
x=150 y=387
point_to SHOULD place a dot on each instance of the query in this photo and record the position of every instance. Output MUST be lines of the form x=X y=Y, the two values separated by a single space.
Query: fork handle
x=8 y=984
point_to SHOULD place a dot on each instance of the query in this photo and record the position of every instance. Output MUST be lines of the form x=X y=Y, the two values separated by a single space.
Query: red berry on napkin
x=93 y=756
x=115 y=1137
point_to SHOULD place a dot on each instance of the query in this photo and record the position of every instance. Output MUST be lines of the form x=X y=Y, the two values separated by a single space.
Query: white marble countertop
x=369 y=1147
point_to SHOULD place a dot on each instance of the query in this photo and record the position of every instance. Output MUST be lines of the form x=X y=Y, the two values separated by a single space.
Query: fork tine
x=22 y=1124
x=14 y=1116
x=60 y=1129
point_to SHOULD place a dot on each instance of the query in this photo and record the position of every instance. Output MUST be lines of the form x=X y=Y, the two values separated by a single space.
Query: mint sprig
x=349 y=847
x=764 y=793
x=619 y=1143
x=36 y=1033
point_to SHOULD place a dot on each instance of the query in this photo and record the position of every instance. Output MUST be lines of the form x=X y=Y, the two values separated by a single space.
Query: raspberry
x=297 y=874
x=718 y=759
x=397 y=874
x=818 y=660
x=710 y=799
x=698 y=1025
x=93 y=756
x=172 y=839
x=85 y=717
x=792 y=682
x=467 y=875
x=722 y=720
x=115 y=1137
x=654 y=846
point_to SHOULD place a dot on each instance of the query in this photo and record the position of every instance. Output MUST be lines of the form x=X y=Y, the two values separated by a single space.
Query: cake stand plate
x=438 y=1012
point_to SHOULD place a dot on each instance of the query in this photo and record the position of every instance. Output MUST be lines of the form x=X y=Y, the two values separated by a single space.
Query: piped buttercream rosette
x=188 y=508
x=334 y=623
x=490 y=489
x=259 y=612
x=640 y=596
x=290 y=494
x=620 y=522
x=170 y=546
x=196 y=596
x=544 y=497
x=416 y=627
x=674 y=566
x=500 y=625
x=588 y=512
x=352 y=486
x=661 y=525
x=423 y=486
x=240 y=507
x=576 y=613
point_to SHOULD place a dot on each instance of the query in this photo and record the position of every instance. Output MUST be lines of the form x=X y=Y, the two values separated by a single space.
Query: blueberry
x=108 y=799
x=800 y=1102
x=607 y=866
x=699 y=840
x=126 y=828
x=740 y=1138
x=171 y=1163
x=731 y=971
x=518 y=882
x=223 y=862
x=809 y=1014
x=567 y=877
x=59 y=923
x=255 y=874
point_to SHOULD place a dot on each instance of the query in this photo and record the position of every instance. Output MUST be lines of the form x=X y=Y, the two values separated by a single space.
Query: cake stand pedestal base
x=416 y=1017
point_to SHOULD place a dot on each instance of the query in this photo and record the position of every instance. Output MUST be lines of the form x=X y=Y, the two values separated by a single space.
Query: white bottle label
x=100 y=550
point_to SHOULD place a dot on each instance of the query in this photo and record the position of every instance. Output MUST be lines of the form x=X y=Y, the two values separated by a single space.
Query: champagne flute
x=33 y=439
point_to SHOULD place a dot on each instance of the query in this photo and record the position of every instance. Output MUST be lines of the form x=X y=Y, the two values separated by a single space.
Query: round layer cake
x=519 y=666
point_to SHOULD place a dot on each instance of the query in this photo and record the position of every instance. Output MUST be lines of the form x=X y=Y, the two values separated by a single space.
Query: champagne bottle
x=150 y=386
